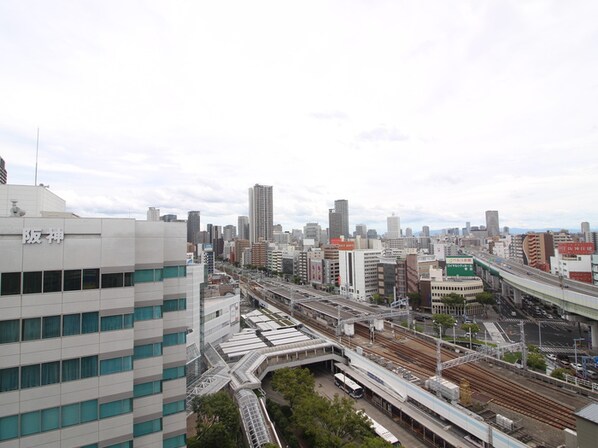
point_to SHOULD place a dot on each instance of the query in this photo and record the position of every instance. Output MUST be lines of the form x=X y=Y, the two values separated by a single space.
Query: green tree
x=415 y=299
x=472 y=328
x=443 y=321
x=218 y=421
x=330 y=423
x=293 y=383
x=485 y=298
x=454 y=300
x=536 y=361
x=560 y=373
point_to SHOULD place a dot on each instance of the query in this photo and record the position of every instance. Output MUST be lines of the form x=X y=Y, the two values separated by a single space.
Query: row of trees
x=323 y=423
x=218 y=422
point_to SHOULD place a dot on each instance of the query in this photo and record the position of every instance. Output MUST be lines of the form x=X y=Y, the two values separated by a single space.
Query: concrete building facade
x=92 y=332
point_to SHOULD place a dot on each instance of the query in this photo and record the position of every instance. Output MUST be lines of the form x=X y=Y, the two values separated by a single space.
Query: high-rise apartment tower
x=261 y=213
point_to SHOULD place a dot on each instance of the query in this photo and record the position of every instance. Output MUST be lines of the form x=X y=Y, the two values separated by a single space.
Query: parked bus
x=348 y=385
x=381 y=431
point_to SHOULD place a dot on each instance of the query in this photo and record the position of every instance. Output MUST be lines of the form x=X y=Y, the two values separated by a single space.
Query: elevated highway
x=579 y=301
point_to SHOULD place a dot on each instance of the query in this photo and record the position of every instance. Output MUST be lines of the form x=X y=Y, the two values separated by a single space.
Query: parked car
x=551 y=357
x=577 y=366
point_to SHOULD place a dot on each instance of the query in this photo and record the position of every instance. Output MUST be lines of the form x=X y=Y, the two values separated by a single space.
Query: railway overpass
x=579 y=301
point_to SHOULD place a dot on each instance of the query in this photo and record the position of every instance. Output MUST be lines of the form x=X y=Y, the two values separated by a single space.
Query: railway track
x=418 y=356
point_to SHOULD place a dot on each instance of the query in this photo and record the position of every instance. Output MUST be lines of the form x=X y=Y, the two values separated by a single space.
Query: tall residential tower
x=261 y=213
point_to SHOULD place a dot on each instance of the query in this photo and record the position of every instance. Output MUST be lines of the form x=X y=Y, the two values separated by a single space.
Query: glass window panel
x=113 y=280
x=71 y=324
x=145 y=389
x=70 y=414
x=158 y=275
x=111 y=323
x=89 y=366
x=10 y=283
x=72 y=280
x=30 y=376
x=170 y=305
x=173 y=408
x=9 y=379
x=91 y=278
x=32 y=282
x=182 y=271
x=89 y=411
x=171 y=271
x=109 y=366
x=113 y=408
x=128 y=320
x=90 y=322
x=129 y=279
x=32 y=329
x=128 y=444
x=141 y=429
x=70 y=369
x=50 y=419
x=9 y=427
x=143 y=313
x=173 y=373
x=127 y=363
x=182 y=304
x=50 y=372
x=52 y=281
x=175 y=442
x=9 y=331
x=51 y=327
x=174 y=339
x=30 y=423
x=143 y=276
x=147 y=351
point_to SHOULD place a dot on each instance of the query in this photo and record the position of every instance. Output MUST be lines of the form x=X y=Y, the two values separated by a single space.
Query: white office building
x=92 y=330
x=358 y=271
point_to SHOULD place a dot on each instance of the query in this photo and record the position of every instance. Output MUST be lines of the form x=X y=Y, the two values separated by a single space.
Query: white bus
x=348 y=385
x=381 y=431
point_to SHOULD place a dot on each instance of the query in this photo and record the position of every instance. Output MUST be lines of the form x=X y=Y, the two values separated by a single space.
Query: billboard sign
x=576 y=248
x=585 y=277
x=459 y=267
x=343 y=245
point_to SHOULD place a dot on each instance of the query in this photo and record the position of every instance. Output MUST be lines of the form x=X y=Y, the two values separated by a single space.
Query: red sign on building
x=585 y=277
x=343 y=245
x=576 y=248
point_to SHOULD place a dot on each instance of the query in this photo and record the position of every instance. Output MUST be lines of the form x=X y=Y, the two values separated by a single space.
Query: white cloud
x=434 y=110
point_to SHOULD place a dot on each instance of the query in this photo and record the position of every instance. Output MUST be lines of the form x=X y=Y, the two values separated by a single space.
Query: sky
x=430 y=109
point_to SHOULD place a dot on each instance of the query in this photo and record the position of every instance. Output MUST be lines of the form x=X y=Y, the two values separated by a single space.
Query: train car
x=380 y=430
x=348 y=385
x=448 y=390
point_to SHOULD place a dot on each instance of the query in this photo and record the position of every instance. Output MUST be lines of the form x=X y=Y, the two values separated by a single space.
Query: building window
x=89 y=366
x=70 y=369
x=30 y=376
x=51 y=327
x=91 y=278
x=173 y=408
x=175 y=442
x=113 y=280
x=9 y=379
x=52 y=281
x=111 y=323
x=9 y=331
x=116 y=365
x=148 y=312
x=141 y=429
x=147 y=351
x=50 y=419
x=50 y=373
x=72 y=280
x=174 y=305
x=10 y=283
x=32 y=282
x=71 y=324
x=173 y=373
x=31 y=329
x=145 y=389
x=30 y=423
x=90 y=322
x=9 y=427
x=114 y=408
x=174 y=339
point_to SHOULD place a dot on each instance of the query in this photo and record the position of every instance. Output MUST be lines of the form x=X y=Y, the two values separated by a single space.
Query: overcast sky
x=434 y=110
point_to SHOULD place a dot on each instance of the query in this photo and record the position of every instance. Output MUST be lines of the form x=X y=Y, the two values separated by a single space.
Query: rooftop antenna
x=36 y=154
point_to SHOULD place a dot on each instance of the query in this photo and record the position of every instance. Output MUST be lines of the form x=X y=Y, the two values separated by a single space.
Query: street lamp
x=454 y=337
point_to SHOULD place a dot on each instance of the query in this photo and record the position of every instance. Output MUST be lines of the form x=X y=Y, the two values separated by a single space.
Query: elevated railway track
x=418 y=356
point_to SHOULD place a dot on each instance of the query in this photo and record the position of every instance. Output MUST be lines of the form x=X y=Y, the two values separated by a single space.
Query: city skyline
x=434 y=111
